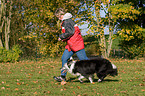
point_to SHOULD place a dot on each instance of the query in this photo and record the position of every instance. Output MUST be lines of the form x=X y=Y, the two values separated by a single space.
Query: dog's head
x=68 y=66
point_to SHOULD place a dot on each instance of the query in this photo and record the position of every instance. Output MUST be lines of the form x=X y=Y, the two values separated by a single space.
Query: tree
x=125 y=16
x=5 y=18
x=129 y=15
x=91 y=13
x=41 y=25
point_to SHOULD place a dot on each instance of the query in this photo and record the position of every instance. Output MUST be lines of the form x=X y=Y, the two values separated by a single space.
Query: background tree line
x=31 y=26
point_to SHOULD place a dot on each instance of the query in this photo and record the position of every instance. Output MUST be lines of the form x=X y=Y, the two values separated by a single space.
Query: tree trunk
x=100 y=30
x=1 y=12
x=110 y=35
x=6 y=36
x=7 y=27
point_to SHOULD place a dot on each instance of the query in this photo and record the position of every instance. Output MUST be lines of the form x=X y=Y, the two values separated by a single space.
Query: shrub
x=133 y=47
x=10 y=55
x=92 y=50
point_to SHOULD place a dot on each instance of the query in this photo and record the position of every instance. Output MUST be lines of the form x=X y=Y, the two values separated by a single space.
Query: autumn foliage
x=32 y=24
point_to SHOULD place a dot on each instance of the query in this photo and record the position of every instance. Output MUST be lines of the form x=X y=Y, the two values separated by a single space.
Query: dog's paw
x=81 y=81
x=99 y=80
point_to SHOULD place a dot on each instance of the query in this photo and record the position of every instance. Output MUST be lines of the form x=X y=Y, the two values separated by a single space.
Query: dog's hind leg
x=81 y=77
x=101 y=77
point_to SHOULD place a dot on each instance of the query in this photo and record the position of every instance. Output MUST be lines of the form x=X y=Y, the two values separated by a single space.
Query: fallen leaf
x=18 y=83
x=74 y=92
x=142 y=84
x=78 y=87
x=40 y=72
x=35 y=93
x=3 y=88
x=85 y=94
x=16 y=89
x=35 y=81
x=8 y=72
x=71 y=87
x=63 y=82
x=143 y=90
x=123 y=91
x=27 y=84
x=57 y=83
x=48 y=91
x=8 y=88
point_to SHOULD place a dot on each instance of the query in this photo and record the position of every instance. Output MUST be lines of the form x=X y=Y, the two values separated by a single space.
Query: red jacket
x=72 y=35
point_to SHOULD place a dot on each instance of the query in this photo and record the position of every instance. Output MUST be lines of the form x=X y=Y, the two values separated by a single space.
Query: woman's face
x=60 y=17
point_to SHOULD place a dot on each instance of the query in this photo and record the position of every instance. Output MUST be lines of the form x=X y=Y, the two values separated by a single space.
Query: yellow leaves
x=129 y=32
x=124 y=11
x=108 y=0
x=49 y=14
x=131 y=37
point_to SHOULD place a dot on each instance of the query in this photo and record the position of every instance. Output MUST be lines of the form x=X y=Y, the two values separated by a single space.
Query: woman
x=72 y=35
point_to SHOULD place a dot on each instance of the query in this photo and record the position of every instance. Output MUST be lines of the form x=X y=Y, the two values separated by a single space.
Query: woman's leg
x=66 y=55
x=81 y=54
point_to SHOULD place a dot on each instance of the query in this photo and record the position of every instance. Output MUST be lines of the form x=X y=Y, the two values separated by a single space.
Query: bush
x=133 y=51
x=92 y=47
x=133 y=47
x=10 y=55
x=92 y=50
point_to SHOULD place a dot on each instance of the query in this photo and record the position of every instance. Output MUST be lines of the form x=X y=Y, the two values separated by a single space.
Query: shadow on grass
x=75 y=79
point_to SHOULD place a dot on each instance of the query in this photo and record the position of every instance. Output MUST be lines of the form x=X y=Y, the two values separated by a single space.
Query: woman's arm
x=68 y=26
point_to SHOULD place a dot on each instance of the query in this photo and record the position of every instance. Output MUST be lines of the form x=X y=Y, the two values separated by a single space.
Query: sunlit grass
x=31 y=78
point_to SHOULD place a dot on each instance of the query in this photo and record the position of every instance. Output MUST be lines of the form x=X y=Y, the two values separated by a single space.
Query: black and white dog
x=86 y=68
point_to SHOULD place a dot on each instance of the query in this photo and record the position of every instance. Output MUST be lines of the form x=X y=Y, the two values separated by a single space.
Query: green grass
x=31 y=78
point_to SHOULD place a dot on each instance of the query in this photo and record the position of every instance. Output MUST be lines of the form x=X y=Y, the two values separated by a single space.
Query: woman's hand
x=59 y=39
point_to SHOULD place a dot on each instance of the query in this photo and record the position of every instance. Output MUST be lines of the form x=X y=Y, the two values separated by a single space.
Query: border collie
x=86 y=68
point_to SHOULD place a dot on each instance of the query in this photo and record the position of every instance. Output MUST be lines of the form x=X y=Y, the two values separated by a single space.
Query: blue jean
x=81 y=54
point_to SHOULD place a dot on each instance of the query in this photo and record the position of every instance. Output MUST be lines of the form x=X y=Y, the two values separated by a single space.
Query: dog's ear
x=69 y=60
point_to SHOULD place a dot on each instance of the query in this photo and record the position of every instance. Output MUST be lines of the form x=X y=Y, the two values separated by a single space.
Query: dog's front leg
x=91 y=80
x=81 y=77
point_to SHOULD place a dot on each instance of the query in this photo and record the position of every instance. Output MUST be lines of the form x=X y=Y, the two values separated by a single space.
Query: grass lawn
x=31 y=78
